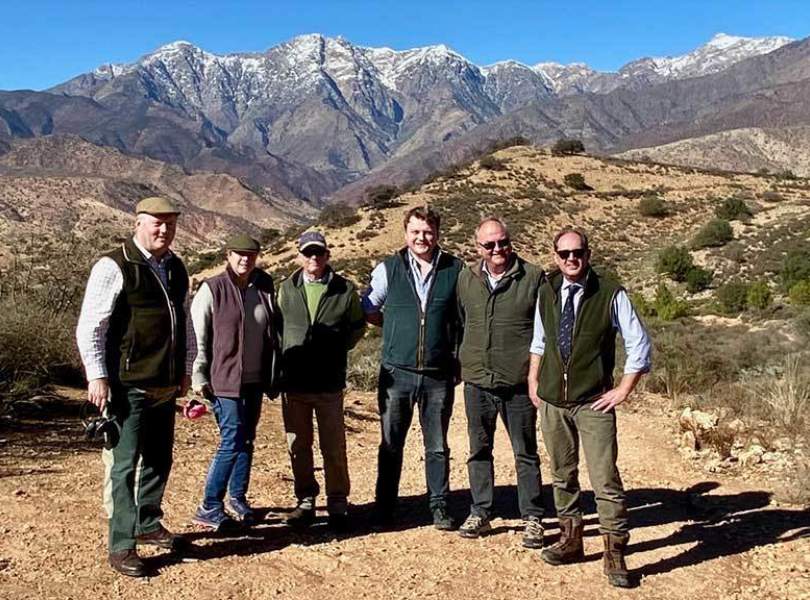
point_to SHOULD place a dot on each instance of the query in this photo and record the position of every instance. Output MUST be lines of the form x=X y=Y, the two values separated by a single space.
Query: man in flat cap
x=234 y=318
x=132 y=339
x=321 y=321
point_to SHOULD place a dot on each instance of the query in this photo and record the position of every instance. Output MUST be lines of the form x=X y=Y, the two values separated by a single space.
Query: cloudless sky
x=43 y=42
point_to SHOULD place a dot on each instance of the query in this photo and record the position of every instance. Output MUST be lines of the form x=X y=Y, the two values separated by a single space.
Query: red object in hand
x=194 y=409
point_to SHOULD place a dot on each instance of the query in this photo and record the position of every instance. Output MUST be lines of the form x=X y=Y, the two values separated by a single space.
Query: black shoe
x=300 y=517
x=442 y=520
x=162 y=538
x=127 y=562
x=339 y=522
x=474 y=526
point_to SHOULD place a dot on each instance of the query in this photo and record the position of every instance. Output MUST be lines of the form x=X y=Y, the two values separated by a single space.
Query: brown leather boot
x=127 y=562
x=613 y=559
x=568 y=548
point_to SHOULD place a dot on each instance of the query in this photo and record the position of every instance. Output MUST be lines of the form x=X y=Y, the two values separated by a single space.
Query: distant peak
x=723 y=40
x=174 y=46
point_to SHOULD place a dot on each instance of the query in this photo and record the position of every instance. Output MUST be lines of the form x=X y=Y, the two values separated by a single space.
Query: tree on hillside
x=568 y=146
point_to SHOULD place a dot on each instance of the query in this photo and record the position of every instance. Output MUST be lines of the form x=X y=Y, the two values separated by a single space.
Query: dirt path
x=695 y=535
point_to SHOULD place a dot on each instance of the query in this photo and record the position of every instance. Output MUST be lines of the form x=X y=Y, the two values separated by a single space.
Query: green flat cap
x=241 y=242
x=155 y=205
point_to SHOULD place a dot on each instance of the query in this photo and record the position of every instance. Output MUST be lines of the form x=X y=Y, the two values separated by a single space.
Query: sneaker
x=214 y=519
x=474 y=526
x=339 y=522
x=300 y=517
x=442 y=520
x=533 y=533
x=242 y=511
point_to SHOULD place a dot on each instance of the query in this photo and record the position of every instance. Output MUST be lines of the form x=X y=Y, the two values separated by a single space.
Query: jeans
x=520 y=418
x=297 y=409
x=398 y=391
x=230 y=468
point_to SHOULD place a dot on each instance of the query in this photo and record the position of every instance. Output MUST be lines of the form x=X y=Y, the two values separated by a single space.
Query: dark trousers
x=138 y=466
x=399 y=391
x=520 y=419
x=564 y=429
x=237 y=419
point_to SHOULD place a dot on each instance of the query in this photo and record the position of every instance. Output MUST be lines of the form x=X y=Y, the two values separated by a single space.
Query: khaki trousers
x=564 y=429
x=298 y=409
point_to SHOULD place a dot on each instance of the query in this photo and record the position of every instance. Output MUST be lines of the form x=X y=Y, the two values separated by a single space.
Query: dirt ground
x=694 y=535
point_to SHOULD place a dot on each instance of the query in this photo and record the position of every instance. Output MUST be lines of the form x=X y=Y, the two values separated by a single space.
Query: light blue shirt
x=374 y=298
x=637 y=345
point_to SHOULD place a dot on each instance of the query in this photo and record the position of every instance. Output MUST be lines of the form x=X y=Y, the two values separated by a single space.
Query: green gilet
x=498 y=324
x=146 y=339
x=412 y=339
x=589 y=371
x=314 y=347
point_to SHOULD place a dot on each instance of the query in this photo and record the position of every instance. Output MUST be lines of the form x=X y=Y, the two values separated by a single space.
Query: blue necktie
x=566 y=336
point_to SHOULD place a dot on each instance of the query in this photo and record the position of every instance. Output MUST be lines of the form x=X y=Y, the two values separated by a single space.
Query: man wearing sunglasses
x=321 y=321
x=497 y=298
x=413 y=296
x=571 y=382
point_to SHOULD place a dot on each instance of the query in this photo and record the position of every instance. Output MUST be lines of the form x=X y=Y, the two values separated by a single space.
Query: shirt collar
x=327 y=275
x=415 y=261
x=148 y=255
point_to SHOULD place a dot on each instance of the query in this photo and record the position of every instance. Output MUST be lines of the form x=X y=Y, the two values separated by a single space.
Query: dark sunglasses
x=313 y=251
x=490 y=246
x=576 y=252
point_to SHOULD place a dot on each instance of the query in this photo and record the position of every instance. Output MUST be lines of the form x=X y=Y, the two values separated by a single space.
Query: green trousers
x=137 y=467
x=564 y=429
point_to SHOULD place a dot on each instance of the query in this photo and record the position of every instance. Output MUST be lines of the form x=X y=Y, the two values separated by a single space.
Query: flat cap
x=155 y=205
x=311 y=238
x=241 y=242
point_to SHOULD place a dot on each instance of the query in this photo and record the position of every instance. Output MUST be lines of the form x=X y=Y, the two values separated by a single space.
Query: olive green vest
x=314 y=350
x=146 y=339
x=498 y=324
x=412 y=339
x=589 y=371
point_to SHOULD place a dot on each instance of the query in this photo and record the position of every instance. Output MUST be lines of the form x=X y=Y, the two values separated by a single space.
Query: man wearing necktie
x=571 y=382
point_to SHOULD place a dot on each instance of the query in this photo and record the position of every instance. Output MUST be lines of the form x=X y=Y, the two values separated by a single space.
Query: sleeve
x=538 y=345
x=103 y=288
x=357 y=320
x=374 y=297
x=637 y=344
x=202 y=325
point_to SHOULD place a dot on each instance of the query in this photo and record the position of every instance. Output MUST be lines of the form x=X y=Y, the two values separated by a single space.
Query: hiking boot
x=127 y=562
x=214 y=519
x=442 y=520
x=162 y=538
x=339 y=522
x=474 y=526
x=242 y=511
x=568 y=548
x=533 y=533
x=300 y=517
x=613 y=559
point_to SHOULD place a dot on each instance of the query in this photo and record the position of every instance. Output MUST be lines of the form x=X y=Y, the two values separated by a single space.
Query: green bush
x=733 y=297
x=568 y=146
x=643 y=306
x=759 y=295
x=381 y=196
x=667 y=306
x=576 y=181
x=800 y=293
x=716 y=232
x=492 y=163
x=674 y=261
x=796 y=266
x=652 y=206
x=733 y=209
x=338 y=215
x=697 y=279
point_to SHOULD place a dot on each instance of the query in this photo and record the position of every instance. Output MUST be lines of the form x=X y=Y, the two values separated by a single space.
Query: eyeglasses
x=316 y=251
x=500 y=244
x=576 y=253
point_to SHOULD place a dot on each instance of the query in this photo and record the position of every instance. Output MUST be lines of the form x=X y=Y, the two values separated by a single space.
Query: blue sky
x=43 y=43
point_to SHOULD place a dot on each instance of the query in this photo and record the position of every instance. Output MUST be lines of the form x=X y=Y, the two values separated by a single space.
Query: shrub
x=576 y=181
x=381 y=196
x=652 y=206
x=338 y=215
x=759 y=295
x=733 y=297
x=788 y=395
x=795 y=266
x=509 y=143
x=786 y=174
x=364 y=362
x=732 y=209
x=667 y=306
x=716 y=232
x=643 y=306
x=491 y=163
x=674 y=261
x=800 y=293
x=772 y=196
x=568 y=146
x=697 y=279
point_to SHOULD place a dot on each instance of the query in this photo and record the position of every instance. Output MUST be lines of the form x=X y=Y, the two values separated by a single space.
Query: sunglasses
x=500 y=244
x=576 y=253
x=313 y=251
